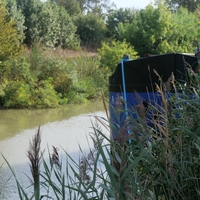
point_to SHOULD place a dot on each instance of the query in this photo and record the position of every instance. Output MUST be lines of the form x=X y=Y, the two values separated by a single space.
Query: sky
x=139 y=4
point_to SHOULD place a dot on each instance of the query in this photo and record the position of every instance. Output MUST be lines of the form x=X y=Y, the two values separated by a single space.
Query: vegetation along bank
x=36 y=68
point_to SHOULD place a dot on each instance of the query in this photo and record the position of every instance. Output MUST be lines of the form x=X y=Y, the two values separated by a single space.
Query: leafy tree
x=31 y=10
x=156 y=30
x=91 y=29
x=100 y=7
x=72 y=7
x=191 y=5
x=67 y=37
x=186 y=30
x=122 y=15
x=46 y=26
x=17 y=16
x=48 y=23
x=149 y=29
x=9 y=38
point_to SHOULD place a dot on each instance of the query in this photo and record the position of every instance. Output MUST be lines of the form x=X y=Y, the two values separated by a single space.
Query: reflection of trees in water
x=14 y=121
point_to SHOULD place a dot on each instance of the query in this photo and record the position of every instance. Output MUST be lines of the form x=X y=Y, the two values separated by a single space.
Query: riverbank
x=48 y=79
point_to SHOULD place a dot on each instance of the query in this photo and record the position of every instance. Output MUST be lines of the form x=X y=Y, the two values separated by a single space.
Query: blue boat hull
x=138 y=78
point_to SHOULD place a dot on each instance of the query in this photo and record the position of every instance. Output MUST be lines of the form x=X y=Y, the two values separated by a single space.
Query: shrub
x=17 y=69
x=111 y=54
x=36 y=95
x=17 y=95
x=75 y=79
x=88 y=78
x=44 y=94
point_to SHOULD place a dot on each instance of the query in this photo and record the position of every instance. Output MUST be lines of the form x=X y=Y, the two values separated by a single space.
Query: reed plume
x=34 y=156
x=88 y=162
x=55 y=158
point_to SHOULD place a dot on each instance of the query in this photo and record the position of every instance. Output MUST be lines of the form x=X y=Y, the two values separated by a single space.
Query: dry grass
x=66 y=53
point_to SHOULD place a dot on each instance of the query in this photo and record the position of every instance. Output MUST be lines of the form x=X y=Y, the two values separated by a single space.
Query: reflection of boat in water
x=134 y=82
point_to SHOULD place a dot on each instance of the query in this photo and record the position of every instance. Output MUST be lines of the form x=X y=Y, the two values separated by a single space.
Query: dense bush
x=16 y=95
x=23 y=89
x=88 y=79
x=91 y=29
x=38 y=81
x=112 y=53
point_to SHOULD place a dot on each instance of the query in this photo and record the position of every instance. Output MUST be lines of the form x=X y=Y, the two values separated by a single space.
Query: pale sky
x=132 y=3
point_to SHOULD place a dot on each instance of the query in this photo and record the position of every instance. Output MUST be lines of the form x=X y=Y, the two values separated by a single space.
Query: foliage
x=23 y=89
x=122 y=15
x=30 y=9
x=17 y=17
x=77 y=7
x=72 y=7
x=48 y=23
x=186 y=30
x=45 y=95
x=191 y=5
x=17 y=95
x=88 y=79
x=156 y=30
x=91 y=30
x=37 y=81
x=9 y=37
x=97 y=7
x=67 y=37
x=111 y=54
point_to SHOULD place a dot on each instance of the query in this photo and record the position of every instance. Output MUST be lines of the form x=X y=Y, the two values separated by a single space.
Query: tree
x=91 y=29
x=99 y=7
x=157 y=30
x=72 y=7
x=17 y=16
x=31 y=10
x=75 y=7
x=186 y=30
x=67 y=37
x=48 y=23
x=191 y=5
x=122 y=15
x=10 y=44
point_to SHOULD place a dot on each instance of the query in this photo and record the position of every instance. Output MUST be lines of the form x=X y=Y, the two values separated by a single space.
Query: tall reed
x=35 y=159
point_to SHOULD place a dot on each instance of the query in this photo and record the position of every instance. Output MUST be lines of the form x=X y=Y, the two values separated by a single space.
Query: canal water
x=67 y=128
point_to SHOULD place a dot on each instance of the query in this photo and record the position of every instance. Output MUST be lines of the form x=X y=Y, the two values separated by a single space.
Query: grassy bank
x=41 y=79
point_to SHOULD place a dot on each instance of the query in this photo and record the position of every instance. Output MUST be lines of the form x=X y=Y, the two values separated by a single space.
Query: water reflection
x=15 y=121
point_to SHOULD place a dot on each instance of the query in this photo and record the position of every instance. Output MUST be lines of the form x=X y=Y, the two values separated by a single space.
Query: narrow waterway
x=66 y=128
